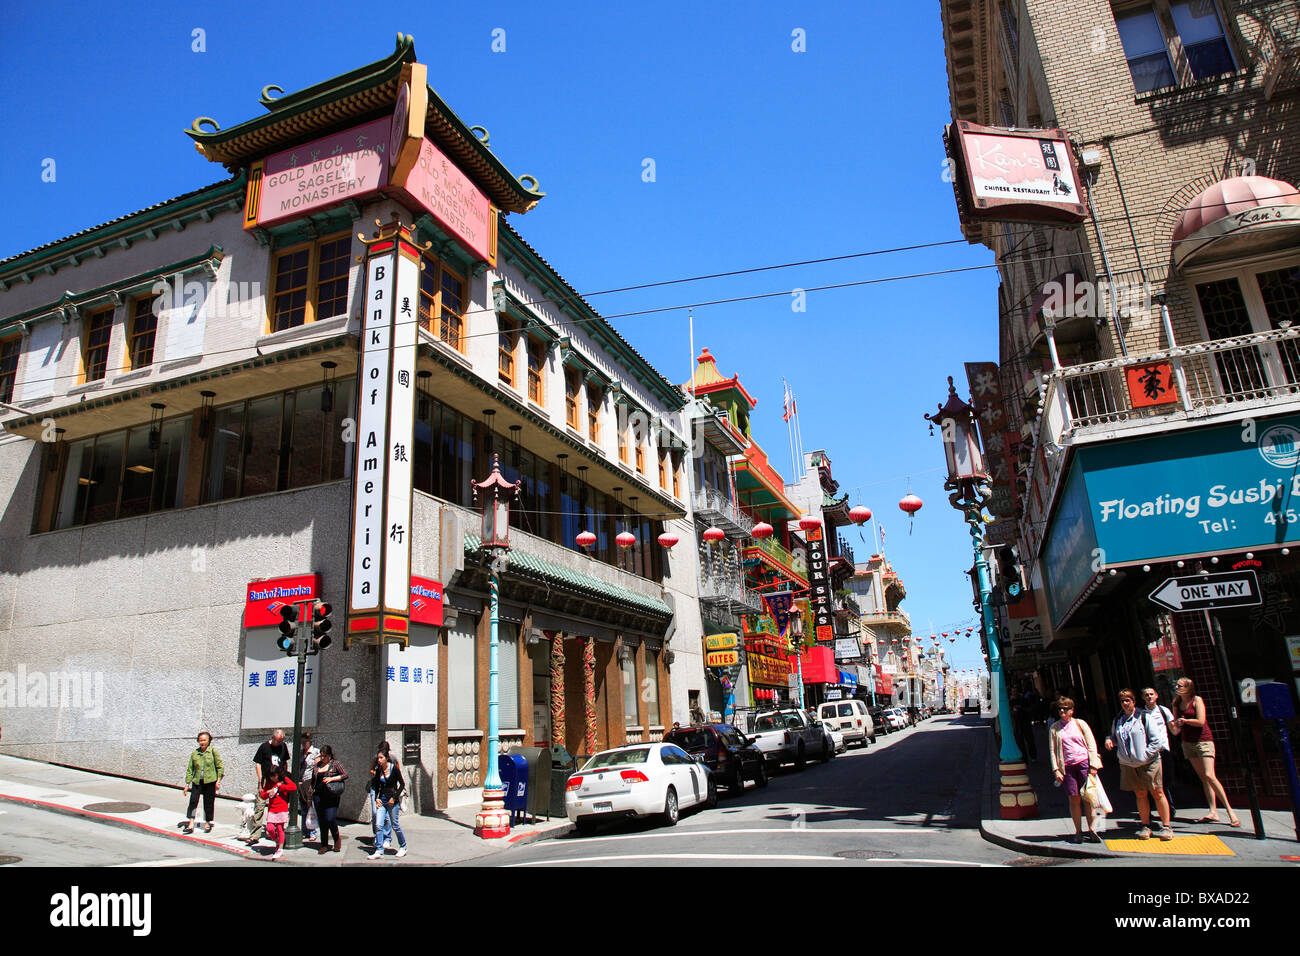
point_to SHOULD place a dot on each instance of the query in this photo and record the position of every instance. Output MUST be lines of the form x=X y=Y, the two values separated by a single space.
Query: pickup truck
x=790 y=736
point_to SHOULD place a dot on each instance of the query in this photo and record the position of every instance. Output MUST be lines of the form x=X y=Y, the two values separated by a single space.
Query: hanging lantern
x=625 y=539
x=808 y=522
x=585 y=539
x=762 y=530
x=945 y=633
x=668 y=540
x=911 y=504
x=859 y=515
x=714 y=535
x=951 y=639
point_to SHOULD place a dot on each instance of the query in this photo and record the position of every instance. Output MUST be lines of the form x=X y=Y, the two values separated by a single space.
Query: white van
x=849 y=717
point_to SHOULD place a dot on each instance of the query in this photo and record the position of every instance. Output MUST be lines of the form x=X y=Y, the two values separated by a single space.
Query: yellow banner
x=767 y=670
x=722 y=659
x=720 y=642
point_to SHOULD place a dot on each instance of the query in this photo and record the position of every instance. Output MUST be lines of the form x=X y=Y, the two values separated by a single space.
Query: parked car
x=851 y=718
x=880 y=721
x=640 y=780
x=790 y=736
x=837 y=745
x=897 y=718
x=725 y=751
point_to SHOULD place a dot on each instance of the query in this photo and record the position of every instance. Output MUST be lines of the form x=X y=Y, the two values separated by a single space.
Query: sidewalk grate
x=6 y=860
x=1200 y=845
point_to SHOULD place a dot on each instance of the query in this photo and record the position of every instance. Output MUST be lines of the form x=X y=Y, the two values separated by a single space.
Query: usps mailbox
x=514 y=776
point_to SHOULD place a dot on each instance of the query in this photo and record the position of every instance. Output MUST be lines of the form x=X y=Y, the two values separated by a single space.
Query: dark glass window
x=98 y=332
x=10 y=349
x=1145 y=50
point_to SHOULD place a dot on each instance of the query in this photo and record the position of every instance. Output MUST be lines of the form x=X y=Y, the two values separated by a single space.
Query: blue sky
x=761 y=155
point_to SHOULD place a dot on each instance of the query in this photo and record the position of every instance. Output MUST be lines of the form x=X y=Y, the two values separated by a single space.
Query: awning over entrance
x=1237 y=216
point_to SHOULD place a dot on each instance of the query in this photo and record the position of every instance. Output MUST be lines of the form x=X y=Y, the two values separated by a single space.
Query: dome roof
x=1231 y=196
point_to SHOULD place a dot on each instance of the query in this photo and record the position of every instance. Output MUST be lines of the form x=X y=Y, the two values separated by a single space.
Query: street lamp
x=969 y=492
x=493 y=820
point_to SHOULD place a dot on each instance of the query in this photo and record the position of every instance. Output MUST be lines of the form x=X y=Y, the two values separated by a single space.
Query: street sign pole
x=1234 y=720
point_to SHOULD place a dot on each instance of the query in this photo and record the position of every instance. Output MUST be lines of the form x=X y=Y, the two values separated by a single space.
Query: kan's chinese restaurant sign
x=1018 y=175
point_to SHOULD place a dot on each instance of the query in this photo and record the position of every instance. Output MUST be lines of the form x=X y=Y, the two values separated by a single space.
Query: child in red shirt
x=277 y=807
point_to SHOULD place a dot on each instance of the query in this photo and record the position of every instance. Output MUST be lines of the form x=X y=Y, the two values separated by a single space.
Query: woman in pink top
x=1074 y=757
x=1198 y=747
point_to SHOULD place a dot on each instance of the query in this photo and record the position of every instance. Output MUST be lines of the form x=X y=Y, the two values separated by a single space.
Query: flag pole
x=789 y=428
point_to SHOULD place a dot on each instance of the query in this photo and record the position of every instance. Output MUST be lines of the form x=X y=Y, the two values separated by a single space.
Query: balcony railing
x=876 y=618
x=718 y=509
x=728 y=592
x=1279 y=62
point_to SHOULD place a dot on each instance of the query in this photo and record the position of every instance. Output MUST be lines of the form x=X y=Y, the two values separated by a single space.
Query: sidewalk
x=1200 y=842
x=445 y=838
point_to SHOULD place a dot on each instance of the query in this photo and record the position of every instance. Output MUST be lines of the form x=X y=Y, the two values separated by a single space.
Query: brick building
x=1148 y=366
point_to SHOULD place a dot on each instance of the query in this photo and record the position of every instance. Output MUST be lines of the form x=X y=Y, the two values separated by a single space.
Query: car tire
x=799 y=760
x=711 y=801
x=671 y=809
x=828 y=749
x=585 y=826
x=873 y=739
x=737 y=782
x=761 y=778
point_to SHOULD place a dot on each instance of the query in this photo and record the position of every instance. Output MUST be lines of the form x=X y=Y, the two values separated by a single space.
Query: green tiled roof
x=530 y=565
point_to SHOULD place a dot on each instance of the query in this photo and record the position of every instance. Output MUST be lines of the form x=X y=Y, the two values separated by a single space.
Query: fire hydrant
x=247 y=805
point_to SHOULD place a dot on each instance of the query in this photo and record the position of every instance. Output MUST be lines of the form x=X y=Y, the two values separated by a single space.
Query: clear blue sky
x=762 y=155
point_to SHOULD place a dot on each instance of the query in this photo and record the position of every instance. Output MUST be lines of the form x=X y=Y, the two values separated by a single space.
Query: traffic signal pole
x=301 y=641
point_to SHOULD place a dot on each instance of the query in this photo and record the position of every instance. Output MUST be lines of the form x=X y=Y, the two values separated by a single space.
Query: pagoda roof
x=708 y=379
x=350 y=99
x=763 y=487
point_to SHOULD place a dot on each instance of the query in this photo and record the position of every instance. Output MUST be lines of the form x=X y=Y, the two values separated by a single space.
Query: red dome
x=668 y=540
x=859 y=515
x=1229 y=197
x=808 y=522
x=585 y=539
x=911 y=504
x=762 y=530
x=626 y=539
x=714 y=535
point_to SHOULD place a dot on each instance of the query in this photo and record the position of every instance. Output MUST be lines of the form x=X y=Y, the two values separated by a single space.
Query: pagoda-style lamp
x=493 y=820
x=969 y=492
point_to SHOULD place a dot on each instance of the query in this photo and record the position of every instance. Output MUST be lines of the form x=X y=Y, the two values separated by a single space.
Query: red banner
x=265 y=597
x=426 y=601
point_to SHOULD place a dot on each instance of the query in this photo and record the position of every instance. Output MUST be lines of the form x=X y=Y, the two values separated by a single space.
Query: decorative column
x=557 y=690
x=589 y=692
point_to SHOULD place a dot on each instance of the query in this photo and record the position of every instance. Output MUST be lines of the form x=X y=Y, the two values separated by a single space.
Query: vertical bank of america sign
x=379 y=597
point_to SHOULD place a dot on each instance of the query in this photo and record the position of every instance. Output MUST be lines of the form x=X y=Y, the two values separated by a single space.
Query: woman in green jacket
x=203 y=776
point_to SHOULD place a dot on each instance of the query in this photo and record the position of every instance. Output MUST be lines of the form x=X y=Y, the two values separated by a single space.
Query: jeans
x=386 y=824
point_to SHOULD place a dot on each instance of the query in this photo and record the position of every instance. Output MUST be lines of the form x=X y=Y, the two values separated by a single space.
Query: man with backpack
x=1134 y=738
x=1161 y=716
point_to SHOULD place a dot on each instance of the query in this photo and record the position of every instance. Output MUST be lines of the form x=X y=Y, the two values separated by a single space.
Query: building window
x=640 y=458
x=123 y=474
x=462 y=669
x=144 y=329
x=1165 y=41
x=94 y=354
x=508 y=675
x=442 y=303
x=310 y=283
x=593 y=413
x=571 y=389
x=10 y=349
x=630 y=689
x=622 y=443
x=663 y=469
x=536 y=365
x=677 y=477
x=651 y=689
x=506 y=341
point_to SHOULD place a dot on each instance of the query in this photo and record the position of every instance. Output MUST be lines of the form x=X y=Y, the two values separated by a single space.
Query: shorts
x=1198 y=748
x=1076 y=778
x=1143 y=779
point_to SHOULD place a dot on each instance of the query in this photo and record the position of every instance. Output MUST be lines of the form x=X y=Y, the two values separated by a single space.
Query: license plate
x=604 y=807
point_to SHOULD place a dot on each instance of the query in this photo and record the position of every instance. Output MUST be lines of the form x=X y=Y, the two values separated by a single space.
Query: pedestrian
x=277 y=785
x=1161 y=716
x=203 y=778
x=387 y=786
x=1074 y=759
x=1135 y=740
x=1191 y=725
x=306 y=807
x=273 y=754
x=1022 y=726
x=328 y=777
x=386 y=750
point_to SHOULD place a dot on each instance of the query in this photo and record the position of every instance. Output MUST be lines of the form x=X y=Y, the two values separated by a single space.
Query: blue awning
x=848 y=680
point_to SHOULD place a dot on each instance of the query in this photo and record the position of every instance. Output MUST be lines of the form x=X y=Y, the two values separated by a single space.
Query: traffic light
x=1011 y=573
x=288 y=624
x=321 y=624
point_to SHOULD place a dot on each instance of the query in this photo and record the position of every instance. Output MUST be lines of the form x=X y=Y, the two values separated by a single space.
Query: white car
x=897 y=718
x=640 y=780
x=838 y=744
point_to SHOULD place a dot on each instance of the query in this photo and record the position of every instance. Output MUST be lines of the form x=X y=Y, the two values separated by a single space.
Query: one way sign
x=1203 y=591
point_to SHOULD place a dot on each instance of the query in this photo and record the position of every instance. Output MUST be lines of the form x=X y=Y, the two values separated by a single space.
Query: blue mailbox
x=514 y=776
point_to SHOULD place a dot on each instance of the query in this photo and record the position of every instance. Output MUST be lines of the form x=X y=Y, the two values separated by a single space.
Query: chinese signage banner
x=1151 y=385
x=778 y=605
x=819 y=586
x=997 y=434
x=270 y=683
x=460 y=207
x=767 y=670
x=409 y=693
x=324 y=172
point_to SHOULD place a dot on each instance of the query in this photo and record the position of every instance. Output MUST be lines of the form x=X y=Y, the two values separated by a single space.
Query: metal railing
x=1279 y=61
x=886 y=617
x=706 y=502
x=775 y=549
x=729 y=590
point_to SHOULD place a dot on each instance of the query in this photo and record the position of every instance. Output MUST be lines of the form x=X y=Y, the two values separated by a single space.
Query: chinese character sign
x=409 y=692
x=271 y=683
x=1151 y=384
x=819 y=585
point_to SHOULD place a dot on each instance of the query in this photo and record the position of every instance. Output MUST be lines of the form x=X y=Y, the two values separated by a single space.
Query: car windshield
x=689 y=739
x=768 y=722
x=617 y=758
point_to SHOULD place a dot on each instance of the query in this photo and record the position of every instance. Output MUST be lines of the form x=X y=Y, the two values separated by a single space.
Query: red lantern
x=626 y=539
x=585 y=539
x=808 y=522
x=860 y=515
x=668 y=540
x=951 y=639
x=762 y=530
x=945 y=633
x=911 y=504
x=714 y=535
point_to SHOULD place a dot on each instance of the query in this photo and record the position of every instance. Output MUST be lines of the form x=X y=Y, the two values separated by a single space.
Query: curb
x=122 y=823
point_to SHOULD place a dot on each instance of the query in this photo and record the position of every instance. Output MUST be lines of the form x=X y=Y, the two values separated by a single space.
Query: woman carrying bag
x=1074 y=760
x=203 y=778
x=327 y=789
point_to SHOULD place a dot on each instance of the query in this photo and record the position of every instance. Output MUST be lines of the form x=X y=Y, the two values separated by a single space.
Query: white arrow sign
x=1203 y=591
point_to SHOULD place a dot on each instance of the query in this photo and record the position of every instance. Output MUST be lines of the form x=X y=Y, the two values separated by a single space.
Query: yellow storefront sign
x=722 y=659
x=767 y=670
x=720 y=642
